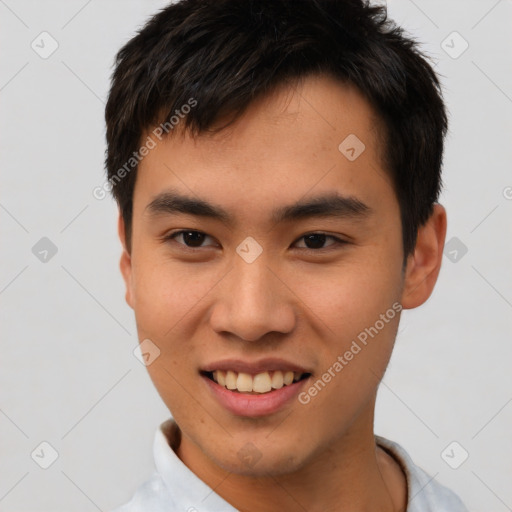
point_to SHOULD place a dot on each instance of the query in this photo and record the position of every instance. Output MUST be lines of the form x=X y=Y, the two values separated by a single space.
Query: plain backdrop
x=69 y=376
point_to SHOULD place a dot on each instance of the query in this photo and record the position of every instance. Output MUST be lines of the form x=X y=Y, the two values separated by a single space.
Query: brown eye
x=191 y=238
x=316 y=241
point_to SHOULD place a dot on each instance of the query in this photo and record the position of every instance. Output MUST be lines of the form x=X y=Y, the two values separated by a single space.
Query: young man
x=276 y=166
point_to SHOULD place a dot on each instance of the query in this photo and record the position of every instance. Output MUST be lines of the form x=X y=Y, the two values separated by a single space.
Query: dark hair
x=225 y=53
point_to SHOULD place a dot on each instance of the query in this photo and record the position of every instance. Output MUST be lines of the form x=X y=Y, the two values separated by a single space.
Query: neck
x=351 y=474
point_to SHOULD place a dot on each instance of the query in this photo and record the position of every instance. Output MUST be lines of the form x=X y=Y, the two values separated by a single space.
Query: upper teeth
x=260 y=383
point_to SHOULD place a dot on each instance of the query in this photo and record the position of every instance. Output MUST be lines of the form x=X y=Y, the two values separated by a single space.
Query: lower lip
x=243 y=404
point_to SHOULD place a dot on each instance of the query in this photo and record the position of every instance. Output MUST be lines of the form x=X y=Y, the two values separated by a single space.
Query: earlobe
x=424 y=264
x=125 y=263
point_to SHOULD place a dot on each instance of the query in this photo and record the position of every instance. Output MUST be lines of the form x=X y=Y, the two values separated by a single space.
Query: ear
x=424 y=264
x=125 y=263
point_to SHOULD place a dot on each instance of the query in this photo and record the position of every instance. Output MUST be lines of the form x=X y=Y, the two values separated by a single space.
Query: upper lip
x=254 y=367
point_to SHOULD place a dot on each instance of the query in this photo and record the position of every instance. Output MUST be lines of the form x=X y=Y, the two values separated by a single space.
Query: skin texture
x=306 y=307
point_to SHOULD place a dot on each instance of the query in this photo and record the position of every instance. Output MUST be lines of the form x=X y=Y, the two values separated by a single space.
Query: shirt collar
x=190 y=493
x=187 y=490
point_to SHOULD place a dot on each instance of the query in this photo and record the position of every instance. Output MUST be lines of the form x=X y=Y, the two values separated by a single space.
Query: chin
x=267 y=461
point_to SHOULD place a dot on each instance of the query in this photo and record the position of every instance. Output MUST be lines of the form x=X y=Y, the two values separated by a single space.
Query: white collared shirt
x=175 y=488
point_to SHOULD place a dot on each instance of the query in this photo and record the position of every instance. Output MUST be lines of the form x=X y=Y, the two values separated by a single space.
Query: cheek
x=352 y=295
x=165 y=294
x=166 y=298
x=358 y=308
x=354 y=354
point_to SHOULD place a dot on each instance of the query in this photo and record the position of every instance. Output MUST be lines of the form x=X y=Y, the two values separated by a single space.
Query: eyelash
x=338 y=241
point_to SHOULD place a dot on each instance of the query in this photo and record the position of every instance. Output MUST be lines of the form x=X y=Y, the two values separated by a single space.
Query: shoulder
x=425 y=494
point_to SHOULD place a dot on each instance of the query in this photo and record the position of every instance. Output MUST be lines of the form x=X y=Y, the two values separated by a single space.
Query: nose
x=252 y=301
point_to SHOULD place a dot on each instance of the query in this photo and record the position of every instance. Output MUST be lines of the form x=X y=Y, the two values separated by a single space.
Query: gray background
x=68 y=374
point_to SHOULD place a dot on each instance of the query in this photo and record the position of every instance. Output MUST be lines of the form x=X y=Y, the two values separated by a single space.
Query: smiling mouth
x=261 y=383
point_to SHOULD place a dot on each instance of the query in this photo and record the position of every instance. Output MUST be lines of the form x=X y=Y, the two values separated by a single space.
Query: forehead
x=315 y=137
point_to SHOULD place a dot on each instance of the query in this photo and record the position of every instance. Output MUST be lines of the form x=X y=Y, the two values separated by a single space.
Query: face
x=245 y=299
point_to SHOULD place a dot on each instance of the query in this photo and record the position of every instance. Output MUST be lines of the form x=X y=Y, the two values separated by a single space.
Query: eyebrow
x=328 y=205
